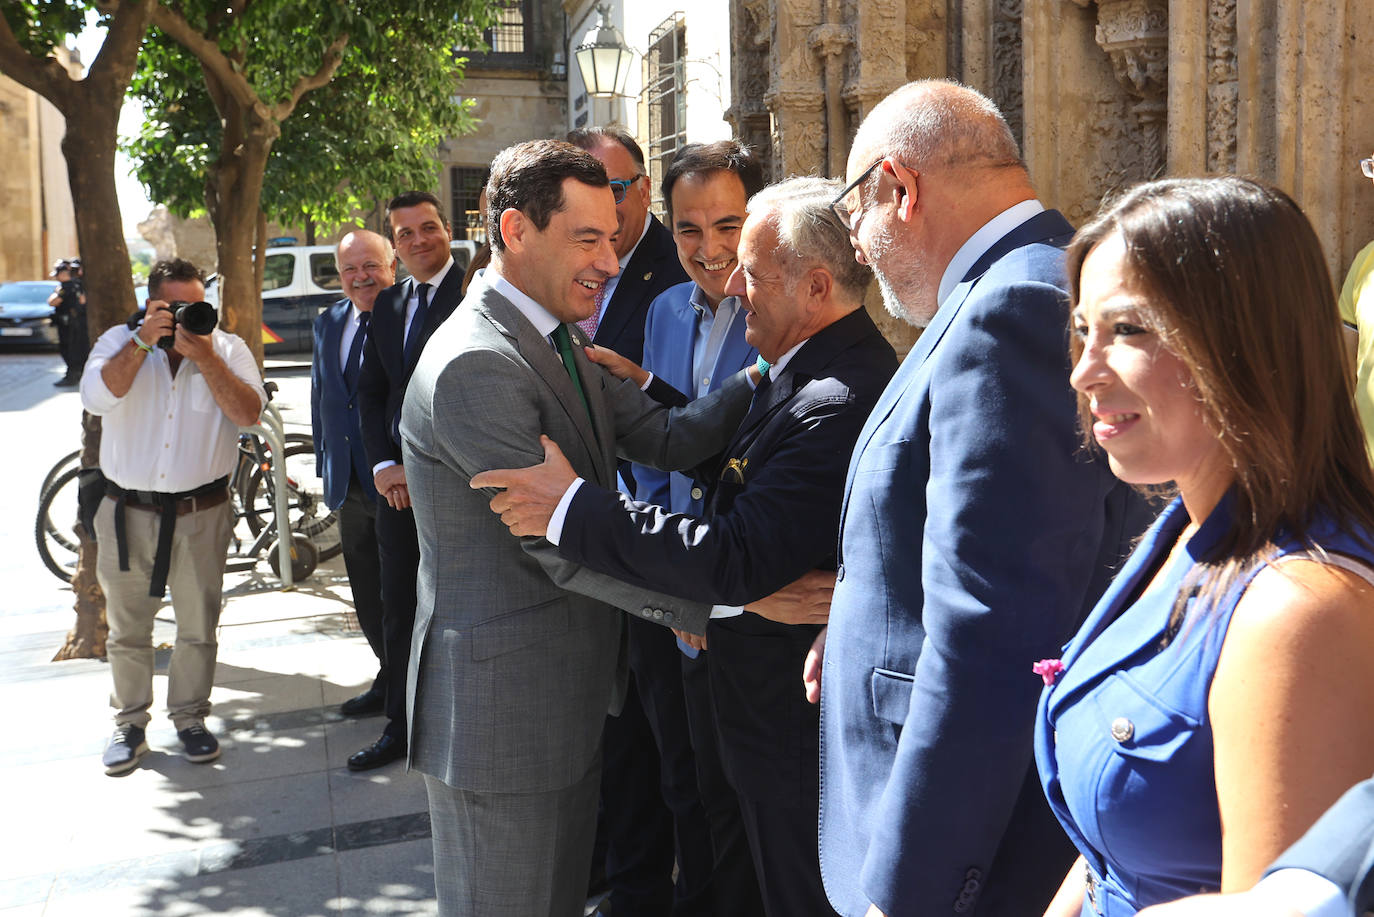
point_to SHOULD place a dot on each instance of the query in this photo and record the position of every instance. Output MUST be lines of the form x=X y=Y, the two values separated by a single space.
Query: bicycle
x=253 y=492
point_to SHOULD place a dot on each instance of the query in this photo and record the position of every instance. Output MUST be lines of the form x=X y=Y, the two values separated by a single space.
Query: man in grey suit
x=514 y=665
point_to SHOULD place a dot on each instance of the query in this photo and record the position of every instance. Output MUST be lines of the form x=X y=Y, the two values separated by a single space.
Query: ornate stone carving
x=748 y=116
x=1006 y=62
x=1223 y=86
x=1135 y=34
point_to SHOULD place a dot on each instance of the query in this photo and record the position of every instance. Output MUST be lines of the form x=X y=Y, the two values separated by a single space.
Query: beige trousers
x=195 y=579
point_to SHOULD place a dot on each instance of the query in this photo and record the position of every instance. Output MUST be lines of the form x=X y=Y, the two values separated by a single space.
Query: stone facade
x=40 y=224
x=1102 y=93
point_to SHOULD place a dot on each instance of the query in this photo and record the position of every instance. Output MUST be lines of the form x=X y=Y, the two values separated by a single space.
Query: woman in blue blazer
x=1215 y=702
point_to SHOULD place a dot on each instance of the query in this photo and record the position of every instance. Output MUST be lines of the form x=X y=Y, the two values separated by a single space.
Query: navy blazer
x=975 y=536
x=385 y=373
x=770 y=514
x=334 y=418
x=653 y=268
x=669 y=341
x=1340 y=847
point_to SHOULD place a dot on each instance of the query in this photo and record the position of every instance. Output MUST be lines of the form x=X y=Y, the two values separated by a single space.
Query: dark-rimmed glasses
x=621 y=187
x=839 y=205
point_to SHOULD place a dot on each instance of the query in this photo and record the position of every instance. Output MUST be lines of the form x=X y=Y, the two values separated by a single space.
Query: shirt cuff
x=647 y=382
x=726 y=611
x=560 y=512
x=377 y=468
x=1313 y=895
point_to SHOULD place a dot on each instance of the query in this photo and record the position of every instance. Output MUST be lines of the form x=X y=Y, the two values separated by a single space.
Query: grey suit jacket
x=517 y=654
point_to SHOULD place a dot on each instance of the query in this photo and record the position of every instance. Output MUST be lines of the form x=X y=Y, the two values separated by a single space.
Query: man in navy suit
x=404 y=317
x=366 y=266
x=767 y=510
x=975 y=532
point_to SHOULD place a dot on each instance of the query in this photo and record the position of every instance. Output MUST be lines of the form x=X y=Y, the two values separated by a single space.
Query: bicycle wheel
x=69 y=460
x=306 y=509
x=54 y=529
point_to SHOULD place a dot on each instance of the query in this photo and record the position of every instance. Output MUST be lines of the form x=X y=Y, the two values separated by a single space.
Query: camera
x=197 y=317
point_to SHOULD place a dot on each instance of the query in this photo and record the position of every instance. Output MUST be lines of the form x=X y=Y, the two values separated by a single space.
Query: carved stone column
x=1135 y=33
x=831 y=41
x=751 y=24
x=795 y=98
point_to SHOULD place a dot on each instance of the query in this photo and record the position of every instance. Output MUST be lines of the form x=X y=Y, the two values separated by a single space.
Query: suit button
x=696 y=493
x=839 y=574
x=667 y=617
x=658 y=614
x=646 y=612
x=1122 y=729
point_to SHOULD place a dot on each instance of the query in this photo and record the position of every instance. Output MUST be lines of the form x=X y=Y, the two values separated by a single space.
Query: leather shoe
x=383 y=751
x=370 y=701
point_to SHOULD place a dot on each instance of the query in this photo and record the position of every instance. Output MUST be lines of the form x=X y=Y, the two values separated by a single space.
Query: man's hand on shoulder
x=529 y=495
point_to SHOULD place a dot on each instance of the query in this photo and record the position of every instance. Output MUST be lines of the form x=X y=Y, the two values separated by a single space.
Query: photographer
x=171 y=403
x=69 y=315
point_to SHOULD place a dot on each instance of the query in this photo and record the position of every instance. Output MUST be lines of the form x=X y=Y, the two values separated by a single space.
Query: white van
x=299 y=282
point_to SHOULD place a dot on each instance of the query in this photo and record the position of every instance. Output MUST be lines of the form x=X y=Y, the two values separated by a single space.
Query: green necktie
x=560 y=338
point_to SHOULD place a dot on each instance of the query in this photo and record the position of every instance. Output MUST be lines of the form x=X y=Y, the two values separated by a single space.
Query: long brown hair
x=1237 y=287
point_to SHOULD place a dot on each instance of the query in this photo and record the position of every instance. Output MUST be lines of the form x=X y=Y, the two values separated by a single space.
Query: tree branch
x=114 y=63
x=207 y=52
x=333 y=57
x=44 y=76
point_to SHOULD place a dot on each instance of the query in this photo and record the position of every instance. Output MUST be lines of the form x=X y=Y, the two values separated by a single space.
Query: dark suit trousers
x=734 y=885
x=652 y=813
x=358 y=537
x=400 y=553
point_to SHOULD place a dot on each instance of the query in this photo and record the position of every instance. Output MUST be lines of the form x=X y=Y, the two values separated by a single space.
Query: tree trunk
x=89 y=148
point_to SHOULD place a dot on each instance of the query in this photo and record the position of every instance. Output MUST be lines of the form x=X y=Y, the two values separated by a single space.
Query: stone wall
x=1102 y=93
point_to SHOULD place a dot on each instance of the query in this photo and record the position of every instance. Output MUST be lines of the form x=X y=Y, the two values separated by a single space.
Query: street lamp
x=603 y=58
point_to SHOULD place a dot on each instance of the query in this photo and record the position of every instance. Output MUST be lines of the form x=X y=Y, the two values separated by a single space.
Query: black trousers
x=652 y=813
x=734 y=884
x=362 y=561
x=400 y=553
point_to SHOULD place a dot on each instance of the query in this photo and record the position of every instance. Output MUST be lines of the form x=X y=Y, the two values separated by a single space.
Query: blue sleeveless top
x=1123 y=739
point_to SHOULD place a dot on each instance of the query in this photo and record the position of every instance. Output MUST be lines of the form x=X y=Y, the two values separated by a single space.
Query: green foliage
x=373 y=129
x=41 y=25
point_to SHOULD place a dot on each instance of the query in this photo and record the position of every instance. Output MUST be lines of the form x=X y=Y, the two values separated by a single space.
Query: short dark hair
x=721 y=156
x=412 y=199
x=529 y=177
x=589 y=138
x=176 y=270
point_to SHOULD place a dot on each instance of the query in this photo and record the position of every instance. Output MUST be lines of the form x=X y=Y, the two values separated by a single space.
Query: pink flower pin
x=1048 y=669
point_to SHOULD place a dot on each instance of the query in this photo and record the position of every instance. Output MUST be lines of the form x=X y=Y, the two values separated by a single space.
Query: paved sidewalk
x=277 y=825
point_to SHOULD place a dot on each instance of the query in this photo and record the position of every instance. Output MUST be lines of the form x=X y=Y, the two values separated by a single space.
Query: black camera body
x=197 y=317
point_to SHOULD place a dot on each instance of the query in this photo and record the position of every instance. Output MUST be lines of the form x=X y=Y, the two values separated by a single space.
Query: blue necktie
x=355 y=352
x=417 y=324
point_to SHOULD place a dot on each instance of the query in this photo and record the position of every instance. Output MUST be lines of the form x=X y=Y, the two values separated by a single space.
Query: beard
x=903 y=279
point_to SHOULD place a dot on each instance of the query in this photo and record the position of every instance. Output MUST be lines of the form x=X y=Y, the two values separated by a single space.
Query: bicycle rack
x=271 y=428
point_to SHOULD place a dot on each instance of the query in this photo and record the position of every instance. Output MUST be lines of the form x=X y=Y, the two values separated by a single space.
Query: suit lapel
x=332 y=370
x=548 y=366
x=639 y=271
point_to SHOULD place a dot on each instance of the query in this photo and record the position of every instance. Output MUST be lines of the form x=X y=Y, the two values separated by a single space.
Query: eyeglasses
x=840 y=204
x=621 y=187
x=1367 y=167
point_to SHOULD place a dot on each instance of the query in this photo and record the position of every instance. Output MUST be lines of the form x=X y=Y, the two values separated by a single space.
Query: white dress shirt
x=985 y=238
x=350 y=331
x=614 y=282
x=165 y=434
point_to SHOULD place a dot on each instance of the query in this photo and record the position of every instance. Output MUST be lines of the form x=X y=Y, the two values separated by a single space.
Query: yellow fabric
x=1357 y=308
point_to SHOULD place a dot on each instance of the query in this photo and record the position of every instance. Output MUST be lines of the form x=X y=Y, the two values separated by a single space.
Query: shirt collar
x=985 y=238
x=642 y=233
x=434 y=281
x=542 y=319
x=777 y=366
x=727 y=307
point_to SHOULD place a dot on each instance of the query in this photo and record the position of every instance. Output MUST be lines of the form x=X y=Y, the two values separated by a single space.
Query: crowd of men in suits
x=676 y=580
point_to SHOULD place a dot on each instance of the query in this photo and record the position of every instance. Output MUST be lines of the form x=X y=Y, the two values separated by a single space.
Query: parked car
x=25 y=316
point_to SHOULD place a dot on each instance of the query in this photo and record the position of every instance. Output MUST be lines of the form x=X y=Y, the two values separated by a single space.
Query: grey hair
x=799 y=208
x=930 y=124
x=386 y=244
